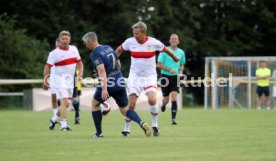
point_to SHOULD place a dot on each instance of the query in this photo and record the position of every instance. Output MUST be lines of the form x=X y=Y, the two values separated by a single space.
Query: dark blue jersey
x=105 y=55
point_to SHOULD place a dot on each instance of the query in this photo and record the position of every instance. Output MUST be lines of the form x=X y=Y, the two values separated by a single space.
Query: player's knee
x=75 y=101
x=131 y=105
x=152 y=101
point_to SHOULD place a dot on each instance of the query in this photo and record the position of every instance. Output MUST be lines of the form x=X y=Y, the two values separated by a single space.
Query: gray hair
x=64 y=33
x=92 y=36
x=141 y=25
x=57 y=42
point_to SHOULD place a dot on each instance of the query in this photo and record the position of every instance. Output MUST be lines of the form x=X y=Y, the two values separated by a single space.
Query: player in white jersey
x=143 y=75
x=66 y=59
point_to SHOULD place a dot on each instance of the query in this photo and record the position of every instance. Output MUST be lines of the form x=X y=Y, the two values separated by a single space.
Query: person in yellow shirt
x=262 y=74
x=76 y=99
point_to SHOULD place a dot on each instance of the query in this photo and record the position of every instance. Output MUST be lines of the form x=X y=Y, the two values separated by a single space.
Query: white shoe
x=259 y=108
x=267 y=108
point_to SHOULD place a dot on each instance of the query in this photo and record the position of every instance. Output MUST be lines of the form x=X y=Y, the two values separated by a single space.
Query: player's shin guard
x=174 y=109
x=133 y=116
x=154 y=114
x=97 y=117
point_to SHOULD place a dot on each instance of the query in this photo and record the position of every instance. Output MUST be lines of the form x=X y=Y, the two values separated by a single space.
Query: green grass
x=201 y=135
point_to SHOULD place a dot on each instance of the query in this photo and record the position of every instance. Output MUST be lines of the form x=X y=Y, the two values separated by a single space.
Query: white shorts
x=53 y=90
x=136 y=84
x=64 y=93
x=274 y=91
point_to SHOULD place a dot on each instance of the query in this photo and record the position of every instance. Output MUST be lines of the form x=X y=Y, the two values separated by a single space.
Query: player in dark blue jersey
x=111 y=84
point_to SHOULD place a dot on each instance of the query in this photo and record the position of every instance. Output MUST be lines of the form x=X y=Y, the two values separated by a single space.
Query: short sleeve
x=51 y=59
x=158 y=45
x=126 y=45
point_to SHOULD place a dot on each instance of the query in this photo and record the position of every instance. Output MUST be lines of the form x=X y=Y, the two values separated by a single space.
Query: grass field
x=201 y=135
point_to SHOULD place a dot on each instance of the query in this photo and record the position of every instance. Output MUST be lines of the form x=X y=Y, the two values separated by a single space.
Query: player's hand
x=45 y=85
x=172 y=70
x=176 y=59
x=105 y=95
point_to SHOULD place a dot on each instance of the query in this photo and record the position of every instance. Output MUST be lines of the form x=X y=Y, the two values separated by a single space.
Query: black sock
x=97 y=117
x=76 y=106
x=174 y=109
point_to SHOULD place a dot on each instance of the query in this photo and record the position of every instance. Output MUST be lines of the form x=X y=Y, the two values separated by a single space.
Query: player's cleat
x=146 y=129
x=52 y=124
x=174 y=122
x=77 y=120
x=67 y=128
x=94 y=136
x=163 y=108
x=155 y=131
x=125 y=133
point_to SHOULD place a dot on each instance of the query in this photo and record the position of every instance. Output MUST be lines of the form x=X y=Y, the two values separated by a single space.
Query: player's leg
x=65 y=96
x=96 y=114
x=267 y=98
x=174 y=107
x=259 y=100
x=76 y=105
x=152 y=100
x=122 y=101
x=54 y=118
x=134 y=90
x=174 y=90
x=165 y=92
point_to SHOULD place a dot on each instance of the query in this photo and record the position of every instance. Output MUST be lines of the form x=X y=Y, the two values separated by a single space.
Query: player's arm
x=103 y=79
x=166 y=50
x=162 y=66
x=181 y=69
x=119 y=50
x=80 y=69
x=46 y=74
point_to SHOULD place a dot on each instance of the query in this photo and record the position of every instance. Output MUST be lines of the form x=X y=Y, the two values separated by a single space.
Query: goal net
x=232 y=81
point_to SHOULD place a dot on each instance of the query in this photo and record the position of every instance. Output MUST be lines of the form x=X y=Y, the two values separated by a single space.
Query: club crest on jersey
x=149 y=47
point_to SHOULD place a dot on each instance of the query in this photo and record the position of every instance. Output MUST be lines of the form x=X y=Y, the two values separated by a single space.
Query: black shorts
x=169 y=84
x=119 y=95
x=262 y=90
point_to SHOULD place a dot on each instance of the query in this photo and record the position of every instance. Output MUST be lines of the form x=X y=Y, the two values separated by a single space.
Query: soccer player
x=263 y=73
x=76 y=98
x=112 y=83
x=66 y=59
x=169 y=74
x=143 y=75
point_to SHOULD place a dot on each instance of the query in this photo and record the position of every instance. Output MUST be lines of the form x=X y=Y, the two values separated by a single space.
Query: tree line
x=28 y=30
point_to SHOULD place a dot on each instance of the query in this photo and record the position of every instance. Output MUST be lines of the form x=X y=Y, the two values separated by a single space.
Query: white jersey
x=65 y=66
x=143 y=61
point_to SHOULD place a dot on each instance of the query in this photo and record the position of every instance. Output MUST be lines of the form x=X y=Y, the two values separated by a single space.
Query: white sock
x=127 y=124
x=63 y=123
x=55 y=118
x=154 y=114
x=55 y=110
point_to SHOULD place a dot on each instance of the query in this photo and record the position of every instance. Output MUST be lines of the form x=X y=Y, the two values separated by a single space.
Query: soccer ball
x=105 y=108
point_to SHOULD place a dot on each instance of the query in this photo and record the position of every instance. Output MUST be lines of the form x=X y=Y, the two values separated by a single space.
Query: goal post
x=240 y=88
